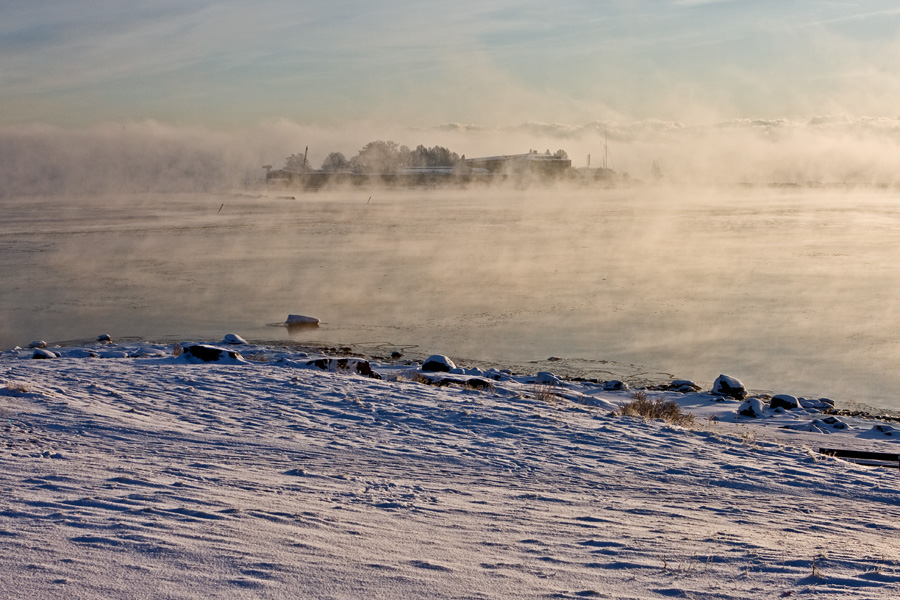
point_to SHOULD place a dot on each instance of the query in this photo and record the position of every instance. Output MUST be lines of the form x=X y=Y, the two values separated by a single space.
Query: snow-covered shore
x=129 y=472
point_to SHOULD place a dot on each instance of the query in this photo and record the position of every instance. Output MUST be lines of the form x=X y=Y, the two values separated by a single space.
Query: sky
x=228 y=64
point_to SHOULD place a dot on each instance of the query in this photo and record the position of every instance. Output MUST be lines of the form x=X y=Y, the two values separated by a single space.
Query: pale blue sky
x=225 y=63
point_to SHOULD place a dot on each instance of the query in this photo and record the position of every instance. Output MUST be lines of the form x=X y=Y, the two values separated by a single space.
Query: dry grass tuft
x=259 y=357
x=667 y=410
x=19 y=387
x=545 y=392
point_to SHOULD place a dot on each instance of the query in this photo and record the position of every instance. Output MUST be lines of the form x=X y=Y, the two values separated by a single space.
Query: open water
x=791 y=290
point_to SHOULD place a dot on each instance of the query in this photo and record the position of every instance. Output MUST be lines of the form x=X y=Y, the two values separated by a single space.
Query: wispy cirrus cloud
x=229 y=62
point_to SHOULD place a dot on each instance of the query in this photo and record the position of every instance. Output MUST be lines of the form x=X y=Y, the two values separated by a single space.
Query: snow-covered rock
x=785 y=401
x=816 y=404
x=881 y=431
x=614 y=385
x=826 y=425
x=726 y=385
x=683 y=385
x=438 y=363
x=753 y=408
x=233 y=338
x=104 y=337
x=204 y=353
x=832 y=423
x=547 y=378
x=38 y=344
x=44 y=353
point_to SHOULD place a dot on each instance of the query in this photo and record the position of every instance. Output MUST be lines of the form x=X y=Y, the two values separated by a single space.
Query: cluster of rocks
x=725 y=387
x=756 y=406
x=41 y=351
x=336 y=365
x=475 y=379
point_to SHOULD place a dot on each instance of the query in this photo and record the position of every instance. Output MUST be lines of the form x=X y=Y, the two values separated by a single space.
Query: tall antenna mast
x=605 y=148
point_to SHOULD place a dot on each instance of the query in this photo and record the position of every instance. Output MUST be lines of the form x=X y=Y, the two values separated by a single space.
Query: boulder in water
x=301 y=321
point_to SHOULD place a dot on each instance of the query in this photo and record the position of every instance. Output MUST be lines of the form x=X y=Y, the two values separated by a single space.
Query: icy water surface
x=790 y=290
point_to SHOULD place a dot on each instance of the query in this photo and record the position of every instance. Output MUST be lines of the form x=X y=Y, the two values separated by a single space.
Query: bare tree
x=335 y=162
x=296 y=163
x=437 y=156
x=379 y=157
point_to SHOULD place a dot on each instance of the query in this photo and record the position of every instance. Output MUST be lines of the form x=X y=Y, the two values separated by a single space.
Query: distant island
x=388 y=163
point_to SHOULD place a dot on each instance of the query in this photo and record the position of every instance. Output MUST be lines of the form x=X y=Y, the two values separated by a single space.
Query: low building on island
x=534 y=163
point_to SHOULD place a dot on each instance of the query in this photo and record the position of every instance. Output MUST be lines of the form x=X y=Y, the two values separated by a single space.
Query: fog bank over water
x=151 y=156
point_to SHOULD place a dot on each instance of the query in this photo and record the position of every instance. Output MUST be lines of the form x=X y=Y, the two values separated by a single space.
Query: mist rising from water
x=150 y=156
x=791 y=290
x=118 y=227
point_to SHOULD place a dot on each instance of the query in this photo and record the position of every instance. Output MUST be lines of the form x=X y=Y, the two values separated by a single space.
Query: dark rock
x=438 y=363
x=729 y=386
x=104 y=337
x=396 y=355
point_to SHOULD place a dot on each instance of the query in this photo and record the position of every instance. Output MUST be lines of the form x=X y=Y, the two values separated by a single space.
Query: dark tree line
x=378 y=157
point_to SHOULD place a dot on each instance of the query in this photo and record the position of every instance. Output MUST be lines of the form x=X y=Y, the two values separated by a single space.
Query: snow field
x=155 y=478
